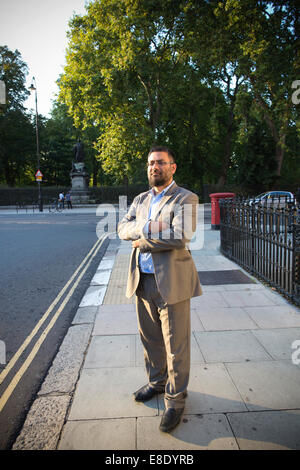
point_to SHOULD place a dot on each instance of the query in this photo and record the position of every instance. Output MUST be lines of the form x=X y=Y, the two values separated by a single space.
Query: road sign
x=39 y=176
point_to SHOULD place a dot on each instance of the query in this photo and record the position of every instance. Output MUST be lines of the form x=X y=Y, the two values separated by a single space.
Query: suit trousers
x=165 y=334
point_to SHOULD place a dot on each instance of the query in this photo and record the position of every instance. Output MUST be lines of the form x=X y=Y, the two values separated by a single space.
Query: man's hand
x=154 y=227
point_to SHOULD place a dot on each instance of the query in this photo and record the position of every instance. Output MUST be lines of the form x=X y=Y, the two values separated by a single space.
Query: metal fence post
x=296 y=256
x=265 y=240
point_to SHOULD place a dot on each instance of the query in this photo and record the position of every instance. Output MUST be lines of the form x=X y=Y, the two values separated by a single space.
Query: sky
x=38 y=29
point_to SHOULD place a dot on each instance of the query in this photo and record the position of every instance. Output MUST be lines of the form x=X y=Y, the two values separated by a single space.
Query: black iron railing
x=264 y=240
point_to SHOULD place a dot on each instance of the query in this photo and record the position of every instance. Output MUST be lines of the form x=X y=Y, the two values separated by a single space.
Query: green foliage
x=212 y=79
x=13 y=73
x=16 y=147
x=16 y=130
x=128 y=73
x=268 y=39
x=58 y=137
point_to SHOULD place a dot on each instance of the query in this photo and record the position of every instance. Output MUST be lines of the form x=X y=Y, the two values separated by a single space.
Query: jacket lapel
x=171 y=191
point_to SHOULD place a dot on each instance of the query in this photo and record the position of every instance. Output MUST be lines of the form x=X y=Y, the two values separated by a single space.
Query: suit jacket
x=175 y=272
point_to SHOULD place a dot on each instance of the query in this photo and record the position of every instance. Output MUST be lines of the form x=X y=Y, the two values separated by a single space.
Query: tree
x=215 y=52
x=254 y=162
x=13 y=72
x=16 y=128
x=112 y=90
x=16 y=147
x=127 y=74
x=254 y=44
x=172 y=71
x=269 y=40
x=57 y=140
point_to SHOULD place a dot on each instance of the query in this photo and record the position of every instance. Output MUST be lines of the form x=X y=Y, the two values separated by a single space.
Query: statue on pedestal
x=78 y=163
x=79 y=175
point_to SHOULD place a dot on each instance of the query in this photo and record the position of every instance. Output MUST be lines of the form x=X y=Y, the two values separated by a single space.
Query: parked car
x=280 y=198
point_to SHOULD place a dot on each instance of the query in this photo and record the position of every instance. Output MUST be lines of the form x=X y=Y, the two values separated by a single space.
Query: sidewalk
x=243 y=391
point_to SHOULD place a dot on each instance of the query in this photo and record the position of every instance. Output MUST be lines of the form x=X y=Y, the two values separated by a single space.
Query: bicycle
x=56 y=206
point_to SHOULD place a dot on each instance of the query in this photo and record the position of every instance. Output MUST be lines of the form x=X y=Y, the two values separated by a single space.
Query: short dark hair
x=162 y=148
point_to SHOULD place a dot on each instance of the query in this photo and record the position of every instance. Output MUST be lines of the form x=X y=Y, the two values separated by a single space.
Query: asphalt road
x=38 y=254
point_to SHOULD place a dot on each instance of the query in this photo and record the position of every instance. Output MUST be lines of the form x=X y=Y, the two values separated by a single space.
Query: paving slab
x=106 y=263
x=244 y=287
x=278 y=342
x=120 y=267
x=196 y=354
x=101 y=277
x=122 y=321
x=213 y=263
x=196 y=324
x=274 y=316
x=125 y=247
x=103 y=434
x=251 y=298
x=270 y=385
x=115 y=308
x=201 y=432
x=208 y=301
x=111 y=351
x=85 y=315
x=266 y=430
x=115 y=293
x=277 y=298
x=224 y=318
x=230 y=346
x=93 y=297
x=219 y=287
x=210 y=390
x=107 y=393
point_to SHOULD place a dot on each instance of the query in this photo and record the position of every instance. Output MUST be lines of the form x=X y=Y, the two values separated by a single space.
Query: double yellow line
x=80 y=271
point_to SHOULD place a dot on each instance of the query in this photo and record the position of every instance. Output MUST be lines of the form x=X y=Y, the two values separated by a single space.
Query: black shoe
x=170 y=419
x=146 y=393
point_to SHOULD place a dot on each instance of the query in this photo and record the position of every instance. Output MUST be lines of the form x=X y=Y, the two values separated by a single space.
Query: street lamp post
x=34 y=88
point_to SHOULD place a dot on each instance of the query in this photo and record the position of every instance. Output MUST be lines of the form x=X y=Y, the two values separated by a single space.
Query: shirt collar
x=163 y=191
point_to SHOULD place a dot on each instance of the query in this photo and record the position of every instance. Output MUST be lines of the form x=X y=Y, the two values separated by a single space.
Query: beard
x=158 y=179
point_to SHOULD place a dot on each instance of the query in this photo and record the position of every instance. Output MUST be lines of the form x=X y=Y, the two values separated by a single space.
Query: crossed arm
x=175 y=227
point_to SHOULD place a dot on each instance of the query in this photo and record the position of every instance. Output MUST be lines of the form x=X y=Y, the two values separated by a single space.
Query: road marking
x=24 y=345
x=7 y=393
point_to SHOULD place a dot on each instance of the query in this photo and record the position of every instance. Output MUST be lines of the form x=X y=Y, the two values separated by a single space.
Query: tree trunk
x=147 y=87
x=230 y=123
x=278 y=136
x=227 y=152
x=279 y=154
x=95 y=171
x=9 y=175
x=125 y=182
x=154 y=111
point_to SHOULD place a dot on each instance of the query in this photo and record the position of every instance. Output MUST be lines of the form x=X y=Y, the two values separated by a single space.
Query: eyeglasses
x=159 y=163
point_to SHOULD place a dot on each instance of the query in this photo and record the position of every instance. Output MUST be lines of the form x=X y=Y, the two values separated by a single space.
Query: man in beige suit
x=162 y=273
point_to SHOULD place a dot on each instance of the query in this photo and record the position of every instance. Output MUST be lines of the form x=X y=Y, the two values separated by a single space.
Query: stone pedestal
x=80 y=184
